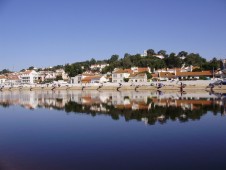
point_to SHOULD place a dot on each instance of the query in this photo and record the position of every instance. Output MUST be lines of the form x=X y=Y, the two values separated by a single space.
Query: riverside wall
x=150 y=86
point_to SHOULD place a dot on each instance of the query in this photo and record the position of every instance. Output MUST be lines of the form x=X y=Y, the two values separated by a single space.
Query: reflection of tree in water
x=155 y=114
x=151 y=112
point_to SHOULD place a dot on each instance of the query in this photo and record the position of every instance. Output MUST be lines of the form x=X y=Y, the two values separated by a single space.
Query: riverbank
x=153 y=86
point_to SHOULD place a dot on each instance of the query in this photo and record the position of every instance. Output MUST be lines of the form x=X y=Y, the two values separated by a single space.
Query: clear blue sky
x=44 y=33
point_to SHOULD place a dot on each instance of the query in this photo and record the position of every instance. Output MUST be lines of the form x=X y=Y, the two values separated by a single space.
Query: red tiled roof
x=166 y=74
x=13 y=77
x=2 y=77
x=123 y=71
x=88 y=74
x=137 y=75
x=143 y=69
x=202 y=73
x=27 y=72
x=154 y=75
x=89 y=78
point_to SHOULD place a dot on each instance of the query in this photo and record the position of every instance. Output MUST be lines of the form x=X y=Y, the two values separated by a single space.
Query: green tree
x=194 y=60
x=126 y=62
x=92 y=61
x=4 y=71
x=113 y=58
x=173 y=61
x=150 y=52
x=182 y=54
x=59 y=77
x=213 y=64
x=31 y=68
x=149 y=76
x=73 y=69
x=162 y=52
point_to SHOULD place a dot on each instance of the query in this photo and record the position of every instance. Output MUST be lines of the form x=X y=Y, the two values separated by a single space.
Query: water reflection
x=142 y=106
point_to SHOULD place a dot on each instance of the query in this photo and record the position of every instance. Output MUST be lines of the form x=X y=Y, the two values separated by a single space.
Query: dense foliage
x=4 y=71
x=151 y=60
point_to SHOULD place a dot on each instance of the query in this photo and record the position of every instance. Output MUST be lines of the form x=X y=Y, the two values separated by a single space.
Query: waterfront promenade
x=150 y=86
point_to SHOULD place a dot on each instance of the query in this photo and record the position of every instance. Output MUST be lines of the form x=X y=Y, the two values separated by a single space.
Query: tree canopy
x=151 y=60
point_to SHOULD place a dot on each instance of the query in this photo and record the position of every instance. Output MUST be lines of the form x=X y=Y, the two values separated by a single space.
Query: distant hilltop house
x=156 y=55
x=98 y=66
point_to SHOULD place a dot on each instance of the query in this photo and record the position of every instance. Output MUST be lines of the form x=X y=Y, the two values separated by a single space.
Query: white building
x=12 y=80
x=99 y=79
x=144 y=53
x=61 y=72
x=118 y=76
x=29 y=77
x=46 y=76
x=78 y=79
x=140 y=77
x=98 y=66
x=159 y=56
x=2 y=79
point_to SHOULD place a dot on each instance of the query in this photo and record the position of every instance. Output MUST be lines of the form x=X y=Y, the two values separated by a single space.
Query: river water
x=45 y=130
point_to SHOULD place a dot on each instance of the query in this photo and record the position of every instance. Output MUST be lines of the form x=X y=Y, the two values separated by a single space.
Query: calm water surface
x=111 y=130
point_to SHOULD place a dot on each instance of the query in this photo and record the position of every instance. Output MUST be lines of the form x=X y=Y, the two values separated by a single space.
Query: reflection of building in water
x=106 y=101
x=183 y=103
x=27 y=100
x=223 y=104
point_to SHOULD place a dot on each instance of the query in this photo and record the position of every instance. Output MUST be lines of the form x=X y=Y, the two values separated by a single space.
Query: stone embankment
x=152 y=86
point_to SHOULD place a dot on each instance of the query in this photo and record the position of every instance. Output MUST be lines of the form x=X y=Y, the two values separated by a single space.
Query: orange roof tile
x=137 y=75
x=2 y=77
x=27 y=72
x=140 y=69
x=123 y=71
x=166 y=74
x=202 y=73
x=13 y=77
x=154 y=75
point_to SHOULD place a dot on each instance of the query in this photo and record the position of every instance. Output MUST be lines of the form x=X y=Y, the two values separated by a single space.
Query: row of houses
x=132 y=75
x=139 y=75
x=32 y=77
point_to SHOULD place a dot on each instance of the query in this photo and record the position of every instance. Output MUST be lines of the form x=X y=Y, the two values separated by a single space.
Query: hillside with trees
x=151 y=60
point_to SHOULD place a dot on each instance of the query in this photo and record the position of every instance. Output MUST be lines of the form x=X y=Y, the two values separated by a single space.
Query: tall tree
x=113 y=58
x=92 y=61
x=213 y=64
x=150 y=52
x=4 y=71
x=162 y=52
x=194 y=60
x=173 y=61
x=182 y=54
